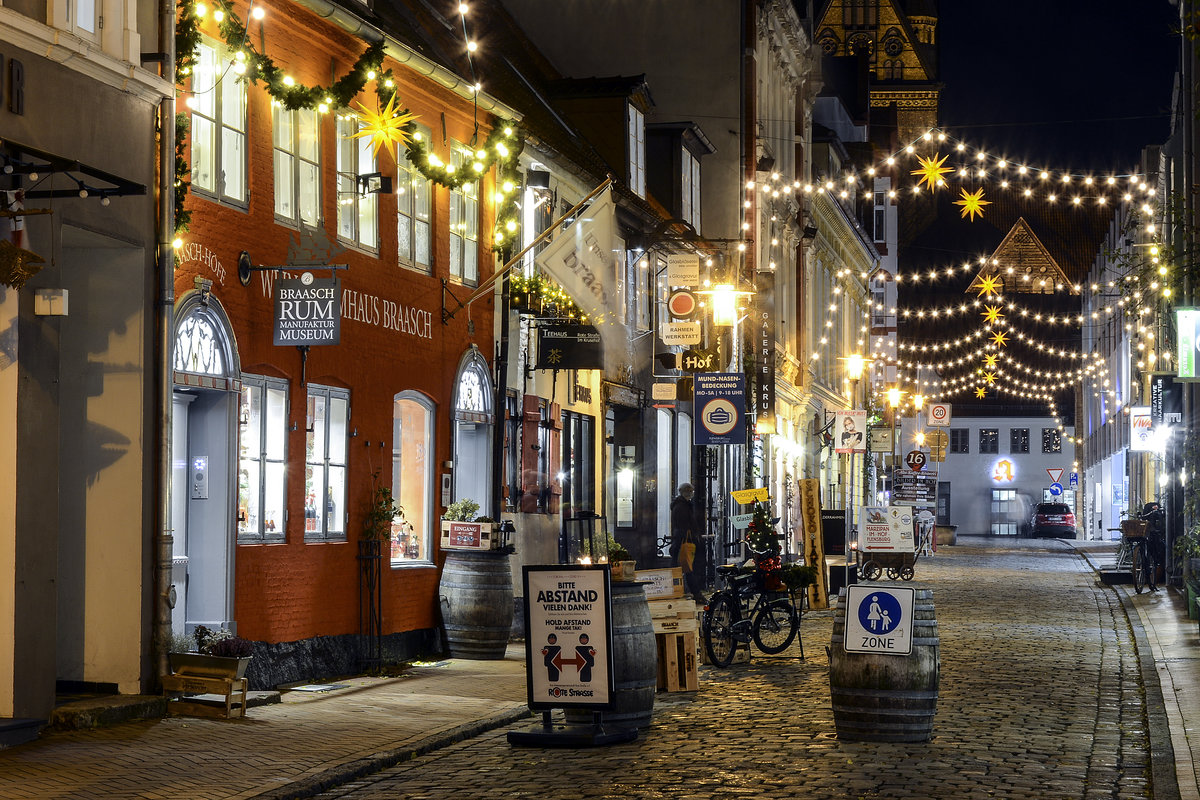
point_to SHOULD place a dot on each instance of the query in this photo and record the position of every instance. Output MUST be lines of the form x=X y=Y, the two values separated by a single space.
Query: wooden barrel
x=477 y=603
x=886 y=698
x=635 y=661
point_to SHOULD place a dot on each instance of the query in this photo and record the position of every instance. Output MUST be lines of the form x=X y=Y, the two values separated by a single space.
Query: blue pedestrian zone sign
x=879 y=619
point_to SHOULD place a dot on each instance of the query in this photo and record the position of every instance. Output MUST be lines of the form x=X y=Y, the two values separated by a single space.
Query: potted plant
x=463 y=530
x=622 y=563
x=218 y=653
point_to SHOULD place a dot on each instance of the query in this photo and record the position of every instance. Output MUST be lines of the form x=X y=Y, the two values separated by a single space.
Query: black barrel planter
x=635 y=661
x=886 y=698
x=477 y=603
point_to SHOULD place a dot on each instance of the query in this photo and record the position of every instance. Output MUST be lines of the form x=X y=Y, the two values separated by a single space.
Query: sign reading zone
x=879 y=619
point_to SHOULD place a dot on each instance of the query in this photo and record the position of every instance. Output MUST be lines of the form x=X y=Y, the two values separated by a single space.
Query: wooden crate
x=676 y=615
x=677 y=662
x=231 y=690
x=662 y=583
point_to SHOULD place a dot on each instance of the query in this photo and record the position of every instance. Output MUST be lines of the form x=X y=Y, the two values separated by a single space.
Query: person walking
x=685 y=542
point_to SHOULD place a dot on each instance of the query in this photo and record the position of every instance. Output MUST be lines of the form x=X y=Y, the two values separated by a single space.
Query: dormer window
x=637 y=151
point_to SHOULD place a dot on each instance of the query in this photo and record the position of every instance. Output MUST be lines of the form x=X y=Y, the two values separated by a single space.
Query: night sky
x=1084 y=84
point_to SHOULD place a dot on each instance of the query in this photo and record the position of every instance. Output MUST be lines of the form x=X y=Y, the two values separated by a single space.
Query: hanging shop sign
x=1141 y=429
x=562 y=346
x=308 y=311
x=743 y=496
x=914 y=488
x=683 y=269
x=1166 y=400
x=1187 y=340
x=720 y=402
x=764 y=328
x=568 y=624
x=682 y=333
x=683 y=304
x=881 y=440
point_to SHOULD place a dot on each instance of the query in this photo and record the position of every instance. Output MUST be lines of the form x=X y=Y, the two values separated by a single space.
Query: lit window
x=218 y=126
x=262 y=459
x=413 y=202
x=989 y=440
x=412 y=477
x=464 y=223
x=637 y=151
x=297 y=165
x=198 y=347
x=357 y=214
x=325 y=464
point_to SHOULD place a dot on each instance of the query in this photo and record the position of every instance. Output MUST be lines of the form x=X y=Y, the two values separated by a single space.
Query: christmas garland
x=502 y=148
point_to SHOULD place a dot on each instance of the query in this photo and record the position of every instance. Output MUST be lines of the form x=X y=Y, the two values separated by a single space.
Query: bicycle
x=1141 y=557
x=744 y=611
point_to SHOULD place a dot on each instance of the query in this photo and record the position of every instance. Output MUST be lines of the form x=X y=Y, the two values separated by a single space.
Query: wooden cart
x=873 y=565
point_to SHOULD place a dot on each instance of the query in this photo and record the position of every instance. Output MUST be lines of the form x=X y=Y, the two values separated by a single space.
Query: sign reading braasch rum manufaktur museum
x=308 y=311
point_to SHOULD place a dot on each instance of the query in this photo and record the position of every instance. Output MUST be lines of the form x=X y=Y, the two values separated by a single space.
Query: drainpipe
x=164 y=543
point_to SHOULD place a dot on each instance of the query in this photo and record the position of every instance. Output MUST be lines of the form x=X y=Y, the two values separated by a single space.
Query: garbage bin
x=837 y=578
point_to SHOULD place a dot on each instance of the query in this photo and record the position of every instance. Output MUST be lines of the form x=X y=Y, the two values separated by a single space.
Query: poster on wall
x=850 y=431
x=1141 y=429
x=568 y=651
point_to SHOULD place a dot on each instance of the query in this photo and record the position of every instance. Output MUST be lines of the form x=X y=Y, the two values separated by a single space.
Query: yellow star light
x=989 y=285
x=989 y=377
x=980 y=391
x=386 y=126
x=989 y=361
x=931 y=171
x=992 y=314
x=972 y=203
x=1000 y=338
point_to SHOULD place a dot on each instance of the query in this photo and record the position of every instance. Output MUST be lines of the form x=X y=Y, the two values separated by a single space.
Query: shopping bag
x=687 y=555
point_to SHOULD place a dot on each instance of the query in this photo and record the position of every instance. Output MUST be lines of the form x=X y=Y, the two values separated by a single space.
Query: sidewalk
x=297 y=748
x=1174 y=650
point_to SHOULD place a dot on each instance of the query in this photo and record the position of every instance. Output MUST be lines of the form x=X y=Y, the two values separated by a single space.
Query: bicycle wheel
x=718 y=629
x=870 y=571
x=1150 y=568
x=1137 y=565
x=774 y=626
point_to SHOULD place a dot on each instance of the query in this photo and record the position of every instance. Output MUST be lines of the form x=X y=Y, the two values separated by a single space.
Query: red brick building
x=279 y=448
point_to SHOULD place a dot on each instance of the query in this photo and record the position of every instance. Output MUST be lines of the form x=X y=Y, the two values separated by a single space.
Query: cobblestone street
x=1041 y=697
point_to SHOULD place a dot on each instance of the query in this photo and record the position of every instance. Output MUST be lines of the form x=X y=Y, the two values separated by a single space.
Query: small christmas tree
x=763 y=541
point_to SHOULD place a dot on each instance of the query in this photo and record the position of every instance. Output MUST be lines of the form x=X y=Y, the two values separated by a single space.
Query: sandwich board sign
x=879 y=619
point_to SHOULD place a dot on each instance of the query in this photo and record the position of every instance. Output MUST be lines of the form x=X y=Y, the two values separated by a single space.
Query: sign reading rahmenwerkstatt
x=308 y=311
x=568 y=637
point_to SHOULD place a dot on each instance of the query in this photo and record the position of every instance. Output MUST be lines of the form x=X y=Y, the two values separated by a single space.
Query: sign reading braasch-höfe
x=308 y=311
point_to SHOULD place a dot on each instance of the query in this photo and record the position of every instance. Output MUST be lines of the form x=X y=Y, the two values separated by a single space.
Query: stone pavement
x=1041 y=697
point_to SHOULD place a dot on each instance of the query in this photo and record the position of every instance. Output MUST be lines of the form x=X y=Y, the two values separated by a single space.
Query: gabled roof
x=1022 y=264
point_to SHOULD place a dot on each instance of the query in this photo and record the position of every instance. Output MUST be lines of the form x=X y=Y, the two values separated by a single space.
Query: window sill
x=413 y=565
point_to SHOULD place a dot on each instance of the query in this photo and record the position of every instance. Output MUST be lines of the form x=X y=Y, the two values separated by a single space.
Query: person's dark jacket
x=683 y=519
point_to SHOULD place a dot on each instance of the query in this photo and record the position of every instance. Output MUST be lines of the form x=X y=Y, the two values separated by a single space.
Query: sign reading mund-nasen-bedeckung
x=719 y=399
x=308 y=311
x=568 y=637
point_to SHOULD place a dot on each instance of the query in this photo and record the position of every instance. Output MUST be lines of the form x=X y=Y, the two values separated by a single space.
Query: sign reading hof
x=308 y=311
x=569 y=347
x=568 y=650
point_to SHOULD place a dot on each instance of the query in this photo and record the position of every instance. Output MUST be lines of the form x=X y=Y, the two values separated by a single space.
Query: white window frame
x=464 y=222
x=423 y=525
x=636 y=143
x=81 y=14
x=414 y=211
x=219 y=126
x=328 y=509
x=267 y=455
x=357 y=214
x=297 y=149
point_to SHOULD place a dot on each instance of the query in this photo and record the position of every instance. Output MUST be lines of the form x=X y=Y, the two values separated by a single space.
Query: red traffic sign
x=916 y=459
x=682 y=304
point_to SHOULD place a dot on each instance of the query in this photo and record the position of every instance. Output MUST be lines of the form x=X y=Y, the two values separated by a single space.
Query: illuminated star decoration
x=980 y=391
x=931 y=171
x=989 y=361
x=972 y=203
x=992 y=314
x=989 y=377
x=386 y=126
x=989 y=285
x=1000 y=338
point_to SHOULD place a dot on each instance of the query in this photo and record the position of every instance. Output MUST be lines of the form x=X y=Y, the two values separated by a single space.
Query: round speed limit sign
x=939 y=413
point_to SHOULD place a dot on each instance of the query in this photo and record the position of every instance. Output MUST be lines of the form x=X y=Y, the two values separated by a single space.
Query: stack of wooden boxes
x=676 y=629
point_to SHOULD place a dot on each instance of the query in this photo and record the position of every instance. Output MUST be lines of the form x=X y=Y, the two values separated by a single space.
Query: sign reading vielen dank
x=308 y=311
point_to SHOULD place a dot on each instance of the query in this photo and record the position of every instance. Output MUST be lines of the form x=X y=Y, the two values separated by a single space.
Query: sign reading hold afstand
x=568 y=645
x=879 y=619
x=308 y=311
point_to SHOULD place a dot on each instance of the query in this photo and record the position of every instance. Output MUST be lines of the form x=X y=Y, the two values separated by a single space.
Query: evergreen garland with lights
x=502 y=147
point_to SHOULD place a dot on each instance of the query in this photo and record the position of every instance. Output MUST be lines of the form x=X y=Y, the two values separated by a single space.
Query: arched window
x=473 y=425
x=203 y=345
